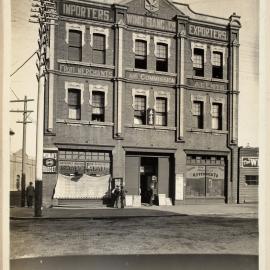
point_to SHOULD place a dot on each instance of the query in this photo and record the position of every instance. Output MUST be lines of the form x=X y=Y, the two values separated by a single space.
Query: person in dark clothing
x=30 y=193
x=116 y=194
x=122 y=196
x=151 y=195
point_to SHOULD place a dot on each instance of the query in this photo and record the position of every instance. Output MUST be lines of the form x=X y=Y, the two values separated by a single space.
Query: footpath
x=226 y=210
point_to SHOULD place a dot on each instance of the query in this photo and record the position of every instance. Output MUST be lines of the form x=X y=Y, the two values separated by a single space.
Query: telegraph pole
x=43 y=13
x=24 y=122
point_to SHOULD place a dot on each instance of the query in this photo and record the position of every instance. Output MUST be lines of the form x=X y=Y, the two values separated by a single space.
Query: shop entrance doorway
x=148 y=179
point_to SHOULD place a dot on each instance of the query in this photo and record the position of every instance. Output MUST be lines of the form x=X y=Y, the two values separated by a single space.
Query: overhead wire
x=23 y=63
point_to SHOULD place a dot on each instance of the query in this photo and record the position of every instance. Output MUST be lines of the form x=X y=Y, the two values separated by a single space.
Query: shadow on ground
x=132 y=262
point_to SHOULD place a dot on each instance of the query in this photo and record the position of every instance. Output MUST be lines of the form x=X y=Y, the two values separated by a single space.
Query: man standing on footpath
x=30 y=193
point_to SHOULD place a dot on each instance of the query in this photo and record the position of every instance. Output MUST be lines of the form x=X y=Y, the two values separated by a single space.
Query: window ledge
x=151 y=127
x=80 y=63
x=207 y=79
x=83 y=122
x=212 y=131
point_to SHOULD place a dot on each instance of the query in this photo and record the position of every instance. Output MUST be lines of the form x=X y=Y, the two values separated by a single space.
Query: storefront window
x=84 y=162
x=206 y=179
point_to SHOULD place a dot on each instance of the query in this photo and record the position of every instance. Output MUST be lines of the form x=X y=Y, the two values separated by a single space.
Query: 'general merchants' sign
x=206 y=32
x=86 y=71
x=138 y=76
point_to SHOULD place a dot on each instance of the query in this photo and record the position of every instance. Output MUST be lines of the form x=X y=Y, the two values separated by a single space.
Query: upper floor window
x=217 y=116
x=140 y=110
x=162 y=57
x=161 y=111
x=98 y=106
x=99 y=48
x=75 y=45
x=198 y=114
x=217 y=68
x=74 y=104
x=141 y=54
x=198 y=62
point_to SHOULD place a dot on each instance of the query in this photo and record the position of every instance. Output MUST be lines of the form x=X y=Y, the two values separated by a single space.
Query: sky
x=24 y=43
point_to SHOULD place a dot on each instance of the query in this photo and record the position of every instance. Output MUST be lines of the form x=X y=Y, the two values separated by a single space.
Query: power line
x=23 y=64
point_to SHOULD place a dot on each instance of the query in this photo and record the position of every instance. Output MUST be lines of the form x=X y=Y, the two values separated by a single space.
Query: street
x=183 y=234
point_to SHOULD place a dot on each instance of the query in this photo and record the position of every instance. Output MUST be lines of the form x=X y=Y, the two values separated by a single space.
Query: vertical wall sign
x=49 y=161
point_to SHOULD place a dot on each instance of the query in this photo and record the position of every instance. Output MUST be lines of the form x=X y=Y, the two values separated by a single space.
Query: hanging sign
x=150 y=116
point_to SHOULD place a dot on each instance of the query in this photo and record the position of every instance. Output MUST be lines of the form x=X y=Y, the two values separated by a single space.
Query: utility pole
x=44 y=13
x=24 y=122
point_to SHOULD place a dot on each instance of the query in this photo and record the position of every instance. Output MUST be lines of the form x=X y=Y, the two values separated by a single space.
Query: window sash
x=217 y=59
x=140 y=110
x=198 y=114
x=140 y=48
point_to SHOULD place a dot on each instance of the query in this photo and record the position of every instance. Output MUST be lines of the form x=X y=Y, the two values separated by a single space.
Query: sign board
x=49 y=162
x=150 y=116
x=70 y=167
x=179 y=186
x=200 y=172
x=207 y=85
x=129 y=200
x=207 y=32
x=250 y=162
x=162 y=199
x=151 y=22
x=154 y=78
x=93 y=167
x=86 y=71
x=136 y=200
x=87 y=12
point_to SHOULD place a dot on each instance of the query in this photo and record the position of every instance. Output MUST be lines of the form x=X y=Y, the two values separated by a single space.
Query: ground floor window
x=76 y=162
x=205 y=176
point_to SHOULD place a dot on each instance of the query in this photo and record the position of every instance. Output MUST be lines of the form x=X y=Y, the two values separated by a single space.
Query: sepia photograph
x=134 y=135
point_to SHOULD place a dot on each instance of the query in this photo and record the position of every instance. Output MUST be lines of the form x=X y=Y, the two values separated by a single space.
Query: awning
x=82 y=187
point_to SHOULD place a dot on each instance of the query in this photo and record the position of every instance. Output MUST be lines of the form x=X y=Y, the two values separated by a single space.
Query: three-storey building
x=142 y=93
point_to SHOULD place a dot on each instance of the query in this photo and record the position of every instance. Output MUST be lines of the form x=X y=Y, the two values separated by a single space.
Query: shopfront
x=83 y=175
x=149 y=171
x=205 y=177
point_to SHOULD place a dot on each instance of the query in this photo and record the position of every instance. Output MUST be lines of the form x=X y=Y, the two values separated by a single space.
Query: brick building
x=145 y=93
x=248 y=174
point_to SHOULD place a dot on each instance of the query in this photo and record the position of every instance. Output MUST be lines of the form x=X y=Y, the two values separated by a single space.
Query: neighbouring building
x=248 y=174
x=16 y=174
x=141 y=93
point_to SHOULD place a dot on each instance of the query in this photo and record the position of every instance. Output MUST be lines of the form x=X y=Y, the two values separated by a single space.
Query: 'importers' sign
x=250 y=162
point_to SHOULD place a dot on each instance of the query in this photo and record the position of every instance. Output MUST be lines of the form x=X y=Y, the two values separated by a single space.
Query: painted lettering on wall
x=250 y=162
x=86 y=12
x=149 y=22
x=207 y=85
x=207 y=32
x=85 y=70
x=150 y=77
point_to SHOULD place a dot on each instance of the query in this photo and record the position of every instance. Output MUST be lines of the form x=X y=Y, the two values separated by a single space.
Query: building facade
x=141 y=93
x=248 y=174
